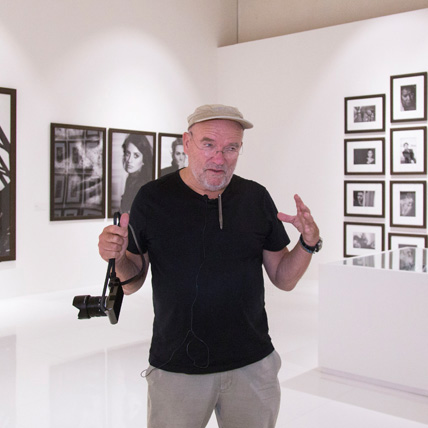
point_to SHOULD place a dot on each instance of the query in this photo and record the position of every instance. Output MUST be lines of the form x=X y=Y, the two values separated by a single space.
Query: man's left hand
x=303 y=222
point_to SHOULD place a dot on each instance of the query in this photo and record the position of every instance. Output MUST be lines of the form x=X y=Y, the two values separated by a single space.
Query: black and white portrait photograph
x=7 y=174
x=171 y=153
x=363 y=238
x=365 y=156
x=408 y=97
x=365 y=198
x=408 y=203
x=408 y=150
x=131 y=164
x=400 y=240
x=365 y=113
x=78 y=155
x=411 y=258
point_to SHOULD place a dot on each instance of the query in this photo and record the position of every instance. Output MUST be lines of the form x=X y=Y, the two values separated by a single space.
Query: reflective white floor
x=57 y=371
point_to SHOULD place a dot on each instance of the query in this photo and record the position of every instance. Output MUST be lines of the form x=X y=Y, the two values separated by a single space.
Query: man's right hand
x=113 y=240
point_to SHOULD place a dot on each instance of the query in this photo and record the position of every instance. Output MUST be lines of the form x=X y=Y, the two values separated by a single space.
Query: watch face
x=318 y=246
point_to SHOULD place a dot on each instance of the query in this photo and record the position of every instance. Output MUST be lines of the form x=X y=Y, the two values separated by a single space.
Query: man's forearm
x=291 y=268
x=129 y=267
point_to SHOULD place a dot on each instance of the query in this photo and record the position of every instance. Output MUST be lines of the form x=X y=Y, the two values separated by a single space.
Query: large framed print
x=78 y=155
x=131 y=164
x=365 y=114
x=171 y=153
x=7 y=174
x=408 y=150
x=361 y=239
x=401 y=240
x=365 y=156
x=408 y=204
x=409 y=97
x=365 y=198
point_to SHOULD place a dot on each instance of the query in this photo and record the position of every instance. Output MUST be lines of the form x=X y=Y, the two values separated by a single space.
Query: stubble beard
x=204 y=181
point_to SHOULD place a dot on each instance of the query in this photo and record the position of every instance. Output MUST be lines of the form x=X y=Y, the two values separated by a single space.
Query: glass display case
x=373 y=313
x=411 y=259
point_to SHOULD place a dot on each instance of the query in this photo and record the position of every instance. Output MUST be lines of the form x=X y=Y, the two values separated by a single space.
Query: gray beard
x=213 y=188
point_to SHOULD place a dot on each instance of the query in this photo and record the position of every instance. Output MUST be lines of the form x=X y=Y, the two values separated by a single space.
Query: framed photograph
x=365 y=198
x=408 y=204
x=365 y=114
x=409 y=97
x=365 y=156
x=171 y=153
x=408 y=150
x=401 y=240
x=361 y=239
x=78 y=155
x=7 y=174
x=131 y=164
x=412 y=259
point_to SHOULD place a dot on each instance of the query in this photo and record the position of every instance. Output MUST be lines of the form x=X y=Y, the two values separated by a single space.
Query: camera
x=101 y=306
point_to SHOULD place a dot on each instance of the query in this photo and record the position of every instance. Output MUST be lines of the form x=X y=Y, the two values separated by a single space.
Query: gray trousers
x=248 y=397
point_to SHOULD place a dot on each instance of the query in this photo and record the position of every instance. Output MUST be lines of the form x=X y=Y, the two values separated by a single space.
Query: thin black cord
x=191 y=331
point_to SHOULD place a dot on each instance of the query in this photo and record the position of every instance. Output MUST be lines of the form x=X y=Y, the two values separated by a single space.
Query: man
x=407 y=155
x=207 y=233
x=358 y=198
x=408 y=97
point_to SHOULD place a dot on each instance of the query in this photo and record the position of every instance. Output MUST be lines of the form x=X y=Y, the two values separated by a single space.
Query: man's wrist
x=311 y=249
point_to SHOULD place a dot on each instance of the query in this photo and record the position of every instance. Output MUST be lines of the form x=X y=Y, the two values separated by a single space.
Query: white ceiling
x=260 y=19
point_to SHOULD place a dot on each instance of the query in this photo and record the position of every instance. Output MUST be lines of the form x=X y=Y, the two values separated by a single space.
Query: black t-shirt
x=208 y=290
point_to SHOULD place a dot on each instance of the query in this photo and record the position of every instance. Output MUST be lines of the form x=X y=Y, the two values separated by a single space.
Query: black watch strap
x=309 y=248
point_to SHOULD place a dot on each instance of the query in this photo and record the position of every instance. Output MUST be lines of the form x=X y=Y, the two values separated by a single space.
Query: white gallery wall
x=293 y=89
x=129 y=64
x=145 y=65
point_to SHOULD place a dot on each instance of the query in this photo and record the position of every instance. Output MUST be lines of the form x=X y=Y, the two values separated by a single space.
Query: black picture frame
x=400 y=240
x=408 y=97
x=364 y=199
x=365 y=113
x=365 y=156
x=361 y=239
x=408 y=150
x=77 y=183
x=123 y=185
x=7 y=174
x=408 y=204
x=171 y=156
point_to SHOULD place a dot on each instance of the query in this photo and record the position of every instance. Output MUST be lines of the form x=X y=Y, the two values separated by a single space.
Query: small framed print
x=409 y=97
x=361 y=239
x=365 y=114
x=401 y=240
x=131 y=164
x=408 y=150
x=365 y=198
x=78 y=155
x=408 y=204
x=365 y=156
x=171 y=153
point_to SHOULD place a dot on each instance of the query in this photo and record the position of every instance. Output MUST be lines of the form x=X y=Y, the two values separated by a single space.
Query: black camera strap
x=111 y=268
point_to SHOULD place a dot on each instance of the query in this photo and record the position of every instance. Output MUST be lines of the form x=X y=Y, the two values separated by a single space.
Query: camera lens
x=88 y=307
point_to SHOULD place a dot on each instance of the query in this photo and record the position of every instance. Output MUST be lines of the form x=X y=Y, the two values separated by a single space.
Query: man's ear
x=186 y=142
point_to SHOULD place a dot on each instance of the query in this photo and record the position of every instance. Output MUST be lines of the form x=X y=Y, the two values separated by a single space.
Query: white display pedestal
x=374 y=319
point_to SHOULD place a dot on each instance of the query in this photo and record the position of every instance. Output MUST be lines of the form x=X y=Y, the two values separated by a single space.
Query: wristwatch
x=317 y=247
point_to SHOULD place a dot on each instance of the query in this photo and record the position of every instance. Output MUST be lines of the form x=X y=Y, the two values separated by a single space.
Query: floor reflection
x=60 y=372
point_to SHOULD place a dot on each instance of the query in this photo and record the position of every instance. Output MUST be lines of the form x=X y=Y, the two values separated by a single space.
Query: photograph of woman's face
x=179 y=156
x=132 y=159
